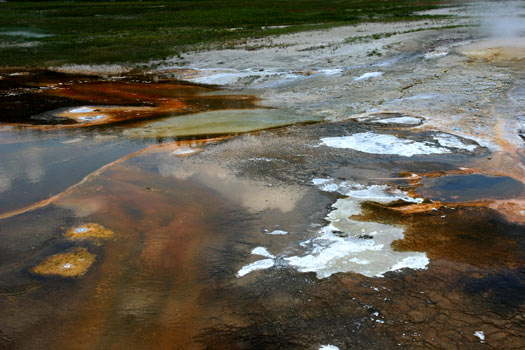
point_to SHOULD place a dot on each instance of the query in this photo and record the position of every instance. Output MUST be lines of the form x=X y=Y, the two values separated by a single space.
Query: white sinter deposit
x=347 y=245
x=81 y=110
x=370 y=142
x=399 y=120
x=254 y=77
x=257 y=265
x=451 y=141
x=328 y=347
x=277 y=232
x=369 y=75
x=480 y=335
x=262 y=252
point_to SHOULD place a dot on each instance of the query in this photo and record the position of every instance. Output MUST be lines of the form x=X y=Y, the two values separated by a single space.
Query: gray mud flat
x=343 y=200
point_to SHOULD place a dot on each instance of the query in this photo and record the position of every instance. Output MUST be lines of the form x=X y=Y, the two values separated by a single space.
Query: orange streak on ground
x=122 y=101
x=171 y=146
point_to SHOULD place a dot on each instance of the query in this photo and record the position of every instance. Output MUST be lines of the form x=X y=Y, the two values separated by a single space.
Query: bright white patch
x=330 y=188
x=277 y=232
x=369 y=75
x=370 y=142
x=416 y=262
x=233 y=76
x=330 y=71
x=399 y=120
x=320 y=181
x=452 y=141
x=81 y=110
x=89 y=119
x=80 y=229
x=377 y=193
x=262 y=252
x=258 y=265
x=435 y=54
x=328 y=347
x=67 y=266
x=327 y=185
x=480 y=335
x=183 y=150
x=349 y=245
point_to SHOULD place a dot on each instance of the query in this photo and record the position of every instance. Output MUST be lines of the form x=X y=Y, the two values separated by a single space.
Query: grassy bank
x=36 y=34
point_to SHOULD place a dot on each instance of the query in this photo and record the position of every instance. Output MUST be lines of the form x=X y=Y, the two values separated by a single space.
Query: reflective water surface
x=174 y=224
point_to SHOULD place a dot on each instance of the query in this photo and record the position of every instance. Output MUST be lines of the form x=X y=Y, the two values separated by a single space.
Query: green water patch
x=225 y=122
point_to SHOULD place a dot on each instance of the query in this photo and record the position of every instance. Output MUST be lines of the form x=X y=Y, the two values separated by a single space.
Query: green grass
x=91 y=32
x=369 y=38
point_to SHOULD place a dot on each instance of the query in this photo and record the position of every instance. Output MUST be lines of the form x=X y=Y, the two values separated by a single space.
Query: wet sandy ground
x=426 y=156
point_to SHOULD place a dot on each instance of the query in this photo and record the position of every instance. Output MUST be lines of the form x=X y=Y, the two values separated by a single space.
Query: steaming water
x=503 y=20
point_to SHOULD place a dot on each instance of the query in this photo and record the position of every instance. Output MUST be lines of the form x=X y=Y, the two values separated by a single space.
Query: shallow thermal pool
x=186 y=221
x=465 y=188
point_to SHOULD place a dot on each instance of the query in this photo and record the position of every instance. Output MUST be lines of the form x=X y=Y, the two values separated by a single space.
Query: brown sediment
x=70 y=264
x=169 y=247
x=89 y=231
x=444 y=306
x=152 y=149
x=417 y=208
x=468 y=232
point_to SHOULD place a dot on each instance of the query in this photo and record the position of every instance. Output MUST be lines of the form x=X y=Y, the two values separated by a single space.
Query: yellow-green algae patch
x=70 y=264
x=89 y=231
x=222 y=122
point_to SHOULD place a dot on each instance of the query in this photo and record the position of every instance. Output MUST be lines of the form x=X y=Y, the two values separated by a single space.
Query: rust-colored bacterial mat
x=47 y=100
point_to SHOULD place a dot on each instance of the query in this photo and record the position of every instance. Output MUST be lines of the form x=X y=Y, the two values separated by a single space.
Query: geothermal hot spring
x=371 y=206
